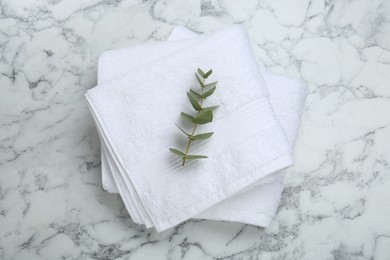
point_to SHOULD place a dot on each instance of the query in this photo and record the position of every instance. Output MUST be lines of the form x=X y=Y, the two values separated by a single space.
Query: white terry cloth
x=259 y=205
x=136 y=115
x=116 y=63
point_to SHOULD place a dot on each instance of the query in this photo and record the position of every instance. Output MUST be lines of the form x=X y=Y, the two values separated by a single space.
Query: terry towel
x=136 y=115
x=258 y=205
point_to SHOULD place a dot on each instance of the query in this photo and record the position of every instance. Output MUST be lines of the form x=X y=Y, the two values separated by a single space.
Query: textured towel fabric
x=136 y=116
x=258 y=205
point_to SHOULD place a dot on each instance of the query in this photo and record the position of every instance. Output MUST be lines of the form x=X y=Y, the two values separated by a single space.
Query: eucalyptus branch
x=204 y=115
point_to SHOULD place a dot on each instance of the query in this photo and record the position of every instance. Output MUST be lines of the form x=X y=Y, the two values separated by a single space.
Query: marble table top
x=335 y=204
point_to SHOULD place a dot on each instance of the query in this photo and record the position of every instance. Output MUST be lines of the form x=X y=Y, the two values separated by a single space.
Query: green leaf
x=204 y=117
x=182 y=130
x=187 y=117
x=176 y=152
x=196 y=94
x=212 y=84
x=209 y=108
x=200 y=72
x=207 y=74
x=199 y=80
x=202 y=136
x=193 y=101
x=208 y=92
x=194 y=157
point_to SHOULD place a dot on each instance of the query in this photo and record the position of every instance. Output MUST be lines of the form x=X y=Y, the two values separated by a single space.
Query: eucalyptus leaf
x=200 y=72
x=208 y=92
x=193 y=101
x=212 y=84
x=209 y=108
x=199 y=80
x=182 y=130
x=187 y=117
x=202 y=136
x=203 y=117
x=176 y=152
x=196 y=94
x=207 y=74
x=194 y=157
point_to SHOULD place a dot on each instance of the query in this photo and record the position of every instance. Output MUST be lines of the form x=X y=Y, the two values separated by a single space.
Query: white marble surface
x=336 y=201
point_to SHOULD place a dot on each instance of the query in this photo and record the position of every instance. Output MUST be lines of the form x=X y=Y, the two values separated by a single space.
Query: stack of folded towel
x=140 y=94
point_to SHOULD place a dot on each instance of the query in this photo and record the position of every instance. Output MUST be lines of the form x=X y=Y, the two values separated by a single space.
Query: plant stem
x=194 y=129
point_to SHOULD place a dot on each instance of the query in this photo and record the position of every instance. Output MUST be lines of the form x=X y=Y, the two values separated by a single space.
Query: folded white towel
x=136 y=114
x=258 y=205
